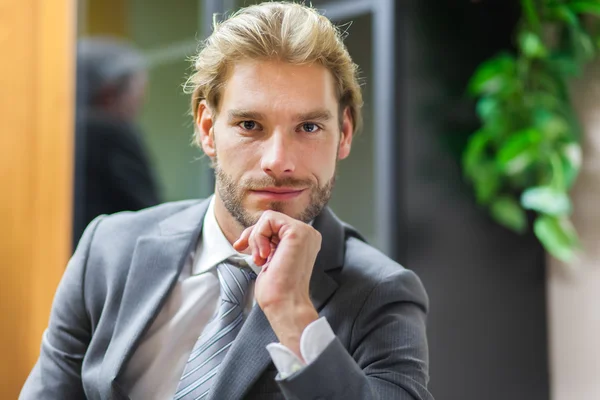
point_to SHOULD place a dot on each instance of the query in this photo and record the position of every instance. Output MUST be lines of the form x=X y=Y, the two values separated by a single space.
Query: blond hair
x=288 y=32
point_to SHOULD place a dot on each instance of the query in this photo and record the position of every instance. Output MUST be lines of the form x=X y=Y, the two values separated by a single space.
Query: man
x=180 y=301
x=113 y=170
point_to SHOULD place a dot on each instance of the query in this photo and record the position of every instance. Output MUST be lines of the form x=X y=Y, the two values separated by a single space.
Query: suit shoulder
x=374 y=269
x=131 y=224
x=115 y=236
x=372 y=261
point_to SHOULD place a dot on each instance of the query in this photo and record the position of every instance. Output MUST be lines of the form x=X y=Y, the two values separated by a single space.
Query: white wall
x=574 y=290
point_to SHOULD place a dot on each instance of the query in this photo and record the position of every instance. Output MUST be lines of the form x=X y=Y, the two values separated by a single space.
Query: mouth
x=277 y=193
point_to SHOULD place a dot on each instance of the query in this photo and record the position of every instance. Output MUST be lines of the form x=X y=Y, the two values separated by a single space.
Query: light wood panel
x=37 y=43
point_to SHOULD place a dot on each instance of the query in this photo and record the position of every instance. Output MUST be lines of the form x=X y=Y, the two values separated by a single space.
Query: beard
x=232 y=195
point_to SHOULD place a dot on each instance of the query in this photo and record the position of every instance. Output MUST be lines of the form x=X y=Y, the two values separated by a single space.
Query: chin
x=287 y=208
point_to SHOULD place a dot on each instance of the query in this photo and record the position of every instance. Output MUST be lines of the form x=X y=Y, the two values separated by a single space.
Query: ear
x=205 y=126
x=347 y=132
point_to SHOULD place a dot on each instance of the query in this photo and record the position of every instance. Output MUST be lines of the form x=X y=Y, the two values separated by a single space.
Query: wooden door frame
x=37 y=98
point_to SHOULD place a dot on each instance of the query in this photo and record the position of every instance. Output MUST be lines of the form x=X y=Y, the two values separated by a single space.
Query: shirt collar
x=214 y=247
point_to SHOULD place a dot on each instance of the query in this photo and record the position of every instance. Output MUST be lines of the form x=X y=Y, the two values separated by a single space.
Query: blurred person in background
x=260 y=291
x=113 y=170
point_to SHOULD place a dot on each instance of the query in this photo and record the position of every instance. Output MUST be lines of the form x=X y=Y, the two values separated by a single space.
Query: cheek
x=236 y=153
x=321 y=159
x=326 y=170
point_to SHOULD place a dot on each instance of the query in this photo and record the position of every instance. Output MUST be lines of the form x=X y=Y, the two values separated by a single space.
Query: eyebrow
x=244 y=114
x=316 y=115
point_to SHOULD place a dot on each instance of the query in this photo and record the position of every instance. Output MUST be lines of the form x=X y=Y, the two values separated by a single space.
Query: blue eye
x=309 y=127
x=248 y=125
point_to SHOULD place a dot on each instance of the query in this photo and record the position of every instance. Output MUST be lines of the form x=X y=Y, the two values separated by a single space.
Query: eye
x=310 y=127
x=248 y=125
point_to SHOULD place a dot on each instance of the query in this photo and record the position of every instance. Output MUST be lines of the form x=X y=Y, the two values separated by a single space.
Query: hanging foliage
x=527 y=153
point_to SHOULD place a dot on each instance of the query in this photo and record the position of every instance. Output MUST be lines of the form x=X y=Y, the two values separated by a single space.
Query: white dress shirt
x=154 y=369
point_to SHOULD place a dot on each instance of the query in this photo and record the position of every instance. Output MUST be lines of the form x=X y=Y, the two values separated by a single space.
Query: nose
x=278 y=159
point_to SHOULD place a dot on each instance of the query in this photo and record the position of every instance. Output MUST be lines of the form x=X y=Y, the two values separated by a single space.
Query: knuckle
x=252 y=236
x=318 y=236
x=268 y=214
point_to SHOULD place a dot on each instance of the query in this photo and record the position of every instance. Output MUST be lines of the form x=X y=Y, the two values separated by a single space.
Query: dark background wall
x=487 y=325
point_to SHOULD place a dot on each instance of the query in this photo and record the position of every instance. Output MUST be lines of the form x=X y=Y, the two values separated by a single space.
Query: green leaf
x=571 y=156
x=548 y=101
x=548 y=82
x=518 y=152
x=486 y=180
x=475 y=153
x=529 y=10
x=546 y=200
x=550 y=124
x=493 y=76
x=585 y=7
x=587 y=45
x=531 y=45
x=479 y=169
x=558 y=236
x=507 y=211
x=583 y=45
x=487 y=107
x=558 y=177
x=563 y=13
x=565 y=65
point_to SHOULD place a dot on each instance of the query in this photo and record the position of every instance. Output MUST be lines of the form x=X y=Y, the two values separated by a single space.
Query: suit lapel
x=248 y=357
x=330 y=257
x=156 y=264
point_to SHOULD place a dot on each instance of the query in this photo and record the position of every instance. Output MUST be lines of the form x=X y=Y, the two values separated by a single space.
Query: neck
x=231 y=228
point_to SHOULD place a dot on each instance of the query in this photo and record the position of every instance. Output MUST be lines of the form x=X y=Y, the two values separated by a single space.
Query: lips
x=278 y=193
x=279 y=190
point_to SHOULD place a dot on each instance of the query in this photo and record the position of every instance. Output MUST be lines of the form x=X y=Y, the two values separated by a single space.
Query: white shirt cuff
x=315 y=338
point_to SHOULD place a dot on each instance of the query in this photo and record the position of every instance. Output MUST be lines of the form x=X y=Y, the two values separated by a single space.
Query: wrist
x=288 y=321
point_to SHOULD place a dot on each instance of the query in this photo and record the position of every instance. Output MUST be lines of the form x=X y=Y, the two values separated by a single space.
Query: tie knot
x=242 y=264
x=235 y=277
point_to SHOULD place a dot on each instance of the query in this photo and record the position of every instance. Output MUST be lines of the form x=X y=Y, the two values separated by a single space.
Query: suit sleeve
x=57 y=372
x=387 y=356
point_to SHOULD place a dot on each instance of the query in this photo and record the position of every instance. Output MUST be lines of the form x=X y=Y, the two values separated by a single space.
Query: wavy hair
x=288 y=32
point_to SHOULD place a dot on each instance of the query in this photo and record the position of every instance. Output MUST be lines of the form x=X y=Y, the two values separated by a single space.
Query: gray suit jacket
x=126 y=264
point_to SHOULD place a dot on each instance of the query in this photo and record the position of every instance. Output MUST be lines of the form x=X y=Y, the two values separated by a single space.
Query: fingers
x=242 y=243
x=248 y=240
x=262 y=238
x=260 y=244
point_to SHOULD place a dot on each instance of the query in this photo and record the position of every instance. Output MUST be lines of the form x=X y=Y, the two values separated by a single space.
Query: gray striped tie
x=216 y=339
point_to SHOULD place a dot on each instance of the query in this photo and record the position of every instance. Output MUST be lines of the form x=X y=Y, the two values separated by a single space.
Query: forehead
x=275 y=86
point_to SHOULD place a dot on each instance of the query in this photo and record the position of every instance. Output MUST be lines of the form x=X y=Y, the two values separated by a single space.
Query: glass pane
x=157 y=23
x=125 y=159
x=168 y=127
x=244 y=3
x=354 y=196
x=169 y=36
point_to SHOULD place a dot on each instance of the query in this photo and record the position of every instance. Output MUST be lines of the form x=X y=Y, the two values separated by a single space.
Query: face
x=275 y=140
x=130 y=102
x=126 y=103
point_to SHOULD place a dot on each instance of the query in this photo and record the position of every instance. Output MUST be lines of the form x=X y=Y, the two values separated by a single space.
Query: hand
x=286 y=249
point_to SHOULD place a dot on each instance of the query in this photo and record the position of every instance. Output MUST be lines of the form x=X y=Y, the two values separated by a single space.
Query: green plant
x=527 y=153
